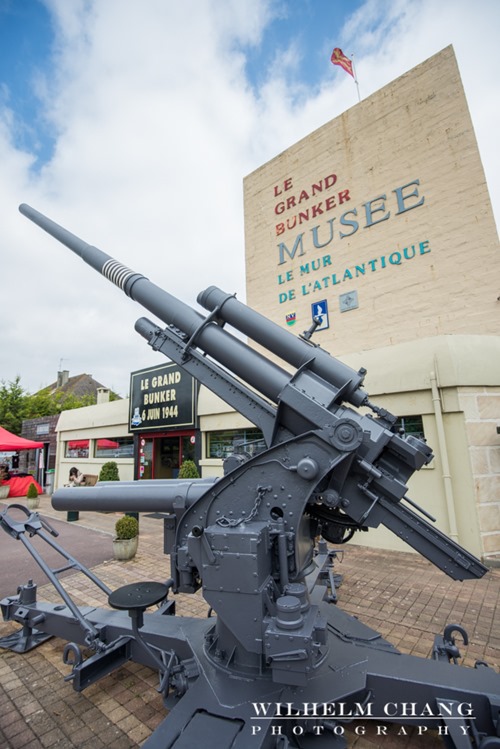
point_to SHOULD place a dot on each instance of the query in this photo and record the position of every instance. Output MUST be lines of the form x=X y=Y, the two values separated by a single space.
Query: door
x=161 y=456
x=166 y=460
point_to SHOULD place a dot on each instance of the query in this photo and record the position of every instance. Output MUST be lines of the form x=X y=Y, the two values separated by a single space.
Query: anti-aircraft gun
x=255 y=542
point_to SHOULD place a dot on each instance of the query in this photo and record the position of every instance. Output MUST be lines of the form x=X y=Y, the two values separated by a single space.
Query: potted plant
x=188 y=470
x=109 y=472
x=32 y=497
x=127 y=538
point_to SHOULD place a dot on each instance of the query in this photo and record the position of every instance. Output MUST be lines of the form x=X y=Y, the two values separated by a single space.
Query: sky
x=133 y=123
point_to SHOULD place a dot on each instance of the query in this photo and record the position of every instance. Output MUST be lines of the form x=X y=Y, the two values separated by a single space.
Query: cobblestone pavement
x=400 y=595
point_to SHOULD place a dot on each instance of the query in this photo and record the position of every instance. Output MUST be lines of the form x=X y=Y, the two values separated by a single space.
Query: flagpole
x=355 y=77
x=347 y=64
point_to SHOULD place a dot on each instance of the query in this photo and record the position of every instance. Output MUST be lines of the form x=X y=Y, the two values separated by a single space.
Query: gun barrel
x=288 y=347
x=160 y=302
x=229 y=351
x=133 y=496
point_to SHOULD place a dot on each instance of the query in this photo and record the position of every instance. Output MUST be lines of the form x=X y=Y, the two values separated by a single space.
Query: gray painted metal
x=295 y=351
x=154 y=496
x=249 y=541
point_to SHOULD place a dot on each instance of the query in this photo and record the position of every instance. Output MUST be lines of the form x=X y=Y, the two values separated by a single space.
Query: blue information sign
x=320 y=309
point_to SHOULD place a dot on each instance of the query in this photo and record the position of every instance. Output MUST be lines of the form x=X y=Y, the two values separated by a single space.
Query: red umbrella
x=9 y=441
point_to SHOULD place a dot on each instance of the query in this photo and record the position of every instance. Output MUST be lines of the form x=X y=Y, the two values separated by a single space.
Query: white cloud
x=156 y=126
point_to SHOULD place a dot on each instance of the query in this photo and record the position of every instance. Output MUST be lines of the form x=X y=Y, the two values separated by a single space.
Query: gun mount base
x=24 y=640
x=285 y=698
x=28 y=637
x=363 y=678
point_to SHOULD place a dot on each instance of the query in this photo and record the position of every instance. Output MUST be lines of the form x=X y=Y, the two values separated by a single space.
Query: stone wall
x=481 y=409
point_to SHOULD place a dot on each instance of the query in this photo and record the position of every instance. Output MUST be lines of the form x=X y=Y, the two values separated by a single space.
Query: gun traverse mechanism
x=334 y=463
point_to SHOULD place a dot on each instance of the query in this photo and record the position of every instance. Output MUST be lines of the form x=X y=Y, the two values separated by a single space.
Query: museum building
x=377 y=227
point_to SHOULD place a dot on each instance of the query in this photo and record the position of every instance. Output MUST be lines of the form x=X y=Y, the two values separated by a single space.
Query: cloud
x=155 y=125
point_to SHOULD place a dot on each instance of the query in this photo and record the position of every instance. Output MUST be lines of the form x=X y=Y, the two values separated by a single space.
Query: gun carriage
x=255 y=542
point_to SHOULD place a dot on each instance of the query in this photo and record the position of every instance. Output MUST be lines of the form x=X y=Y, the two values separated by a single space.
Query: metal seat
x=137 y=597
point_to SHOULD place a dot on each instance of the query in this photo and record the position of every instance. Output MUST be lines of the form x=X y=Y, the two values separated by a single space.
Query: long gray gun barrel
x=148 y=495
x=268 y=378
x=288 y=347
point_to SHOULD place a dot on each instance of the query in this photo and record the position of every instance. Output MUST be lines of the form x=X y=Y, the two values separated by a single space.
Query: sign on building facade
x=380 y=225
x=384 y=214
x=162 y=398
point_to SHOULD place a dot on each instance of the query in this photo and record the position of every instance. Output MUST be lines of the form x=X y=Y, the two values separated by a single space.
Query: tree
x=12 y=405
x=45 y=403
x=16 y=404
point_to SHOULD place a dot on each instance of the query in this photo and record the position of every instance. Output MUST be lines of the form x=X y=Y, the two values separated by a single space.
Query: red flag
x=338 y=58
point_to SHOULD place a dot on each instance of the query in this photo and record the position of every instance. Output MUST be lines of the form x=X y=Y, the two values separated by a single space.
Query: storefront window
x=413 y=425
x=77 y=449
x=224 y=443
x=114 y=447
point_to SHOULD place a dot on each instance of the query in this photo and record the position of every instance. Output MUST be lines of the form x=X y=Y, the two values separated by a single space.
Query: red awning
x=75 y=444
x=107 y=444
x=101 y=443
x=9 y=441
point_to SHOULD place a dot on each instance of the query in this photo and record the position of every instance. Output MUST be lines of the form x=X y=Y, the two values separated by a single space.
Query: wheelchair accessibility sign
x=320 y=309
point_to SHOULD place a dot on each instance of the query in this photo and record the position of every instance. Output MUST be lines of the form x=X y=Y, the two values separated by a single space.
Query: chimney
x=102 y=395
x=62 y=378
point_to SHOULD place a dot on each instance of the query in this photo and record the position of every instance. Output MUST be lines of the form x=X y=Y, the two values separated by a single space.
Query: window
x=114 y=447
x=413 y=425
x=224 y=443
x=77 y=449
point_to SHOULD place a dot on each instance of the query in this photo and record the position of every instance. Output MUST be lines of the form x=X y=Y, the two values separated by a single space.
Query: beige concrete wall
x=399 y=379
x=214 y=415
x=92 y=422
x=456 y=517
x=413 y=139
x=467 y=369
x=388 y=203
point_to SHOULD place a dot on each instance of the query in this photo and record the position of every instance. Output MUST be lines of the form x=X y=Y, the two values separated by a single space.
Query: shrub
x=109 y=472
x=126 y=527
x=32 y=492
x=188 y=470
